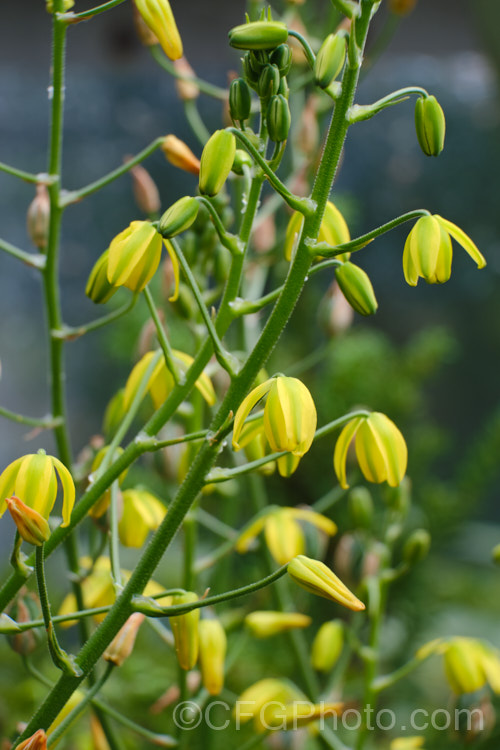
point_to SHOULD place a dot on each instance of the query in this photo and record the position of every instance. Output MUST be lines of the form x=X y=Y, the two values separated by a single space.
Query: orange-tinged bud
x=187 y=90
x=123 y=643
x=317 y=578
x=158 y=16
x=213 y=644
x=32 y=527
x=185 y=630
x=180 y=155
x=146 y=193
x=38 y=218
x=37 y=741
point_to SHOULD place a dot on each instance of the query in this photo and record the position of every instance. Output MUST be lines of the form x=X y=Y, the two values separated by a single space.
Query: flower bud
x=356 y=288
x=123 y=643
x=241 y=159
x=278 y=118
x=282 y=58
x=216 y=161
x=38 y=217
x=267 y=624
x=261 y=700
x=269 y=81
x=361 y=508
x=463 y=666
x=315 y=577
x=329 y=60
x=250 y=75
x=187 y=90
x=98 y=288
x=496 y=554
x=178 y=217
x=180 y=155
x=32 y=526
x=37 y=741
x=146 y=193
x=430 y=125
x=143 y=31
x=258 y=35
x=158 y=16
x=49 y=6
x=185 y=630
x=327 y=645
x=416 y=547
x=134 y=256
x=240 y=100
x=213 y=644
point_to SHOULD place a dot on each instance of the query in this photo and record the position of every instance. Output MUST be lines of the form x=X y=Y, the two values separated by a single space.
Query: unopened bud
x=216 y=161
x=327 y=646
x=213 y=646
x=32 y=526
x=258 y=35
x=143 y=31
x=179 y=216
x=49 y=6
x=269 y=81
x=180 y=155
x=146 y=193
x=37 y=741
x=278 y=119
x=240 y=100
x=282 y=58
x=356 y=288
x=185 y=630
x=329 y=60
x=416 y=547
x=98 y=288
x=430 y=125
x=241 y=159
x=158 y=16
x=123 y=643
x=38 y=218
x=187 y=90
x=361 y=508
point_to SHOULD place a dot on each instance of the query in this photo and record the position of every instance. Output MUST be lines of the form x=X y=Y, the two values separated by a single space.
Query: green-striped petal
x=68 y=489
x=246 y=407
x=341 y=448
x=464 y=240
x=7 y=482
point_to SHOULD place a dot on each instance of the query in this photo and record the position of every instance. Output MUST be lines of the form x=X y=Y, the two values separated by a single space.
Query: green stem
x=216 y=525
x=86 y=14
x=114 y=539
x=74 y=196
x=377 y=595
x=46 y=423
x=230 y=241
x=387 y=680
x=162 y=337
x=35 y=260
x=348 y=7
x=26 y=176
x=194 y=119
x=75 y=713
x=311 y=57
x=208 y=88
x=70 y=333
x=360 y=112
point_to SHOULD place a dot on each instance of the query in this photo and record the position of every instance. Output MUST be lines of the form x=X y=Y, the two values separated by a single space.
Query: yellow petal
x=284 y=537
x=445 y=255
x=425 y=239
x=409 y=269
x=7 y=482
x=381 y=450
x=68 y=490
x=334 y=229
x=249 y=533
x=213 y=645
x=246 y=407
x=293 y=232
x=36 y=483
x=464 y=240
x=341 y=448
x=203 y=383
x=317 y=519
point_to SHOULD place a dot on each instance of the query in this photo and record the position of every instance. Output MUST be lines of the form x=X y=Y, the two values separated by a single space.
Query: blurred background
x=430 y=356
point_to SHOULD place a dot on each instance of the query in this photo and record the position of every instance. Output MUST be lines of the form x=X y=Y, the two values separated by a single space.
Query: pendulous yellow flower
x=428 y=250
x=289 y=418
x=134 y=256
x=33 y=480
x=284 y=536
x=158 y=16
x=317 y=578
x=212 y=653
x=142 y=512
x=380 y=449
x=333 y=230
x=262 y=699
x=266 y=624
x=469 y=664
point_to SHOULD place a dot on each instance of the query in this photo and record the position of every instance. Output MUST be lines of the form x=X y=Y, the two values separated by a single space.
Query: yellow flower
x=98 y=288
x=161 y=381
x=213 y=644
x=327 y=645
x=267 y=624
x=134 y=256
x=158 y=16
x=333 y=230
x=428 y=251
x=33 y=480
x=284 y=536
x=262 y=699
x=380 y=449
x=253 y=440
x=185 y=630
x=142 y=512
x=289 y=417
x=317 y=578
x=469 y=664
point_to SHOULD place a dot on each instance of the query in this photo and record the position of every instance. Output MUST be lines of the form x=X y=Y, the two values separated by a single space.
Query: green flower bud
x=269 y=81
x=98 y=287
x=282 y=57
x=250 y=75
x=496 y=554
x=361 y=508
x=240 y=100
x=278 y=118
x=241 y=159
x=416 y=547
x=430 y=125
x=356 y=288
x=258 y=35
x=216 y=161
x=258 y=59
x=178 y=217
x=327 y=645
x=329 y=60
x=284 y=88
